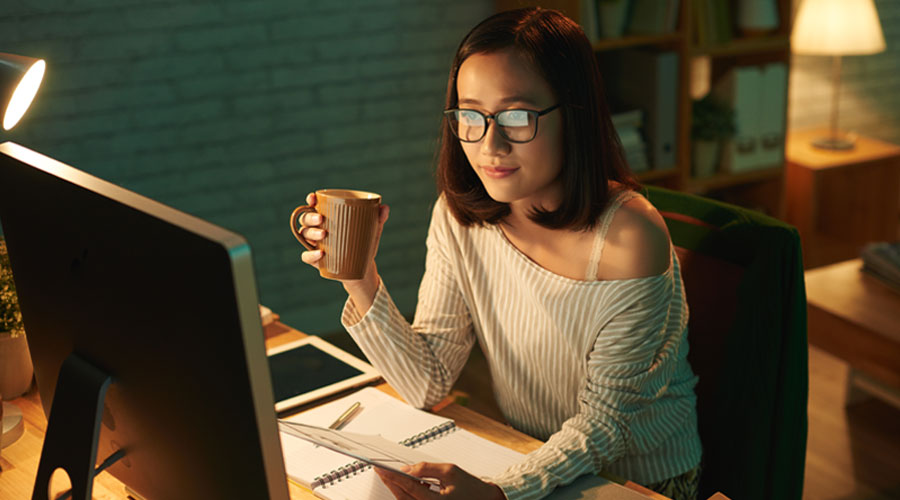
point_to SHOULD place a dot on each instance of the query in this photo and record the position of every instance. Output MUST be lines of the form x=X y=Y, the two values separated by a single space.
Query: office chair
x=743 y=278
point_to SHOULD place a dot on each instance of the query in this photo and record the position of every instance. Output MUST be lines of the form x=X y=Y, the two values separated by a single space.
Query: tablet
x=311 y=368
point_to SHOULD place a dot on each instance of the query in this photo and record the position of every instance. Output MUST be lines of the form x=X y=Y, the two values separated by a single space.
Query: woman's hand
x=456 y=484
x=361 y=291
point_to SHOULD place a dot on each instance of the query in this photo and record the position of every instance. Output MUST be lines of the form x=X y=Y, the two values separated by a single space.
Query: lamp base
x=834 y=143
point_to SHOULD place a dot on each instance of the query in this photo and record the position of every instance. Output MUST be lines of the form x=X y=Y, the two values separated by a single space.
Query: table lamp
x=836 y=28
x=20 y=78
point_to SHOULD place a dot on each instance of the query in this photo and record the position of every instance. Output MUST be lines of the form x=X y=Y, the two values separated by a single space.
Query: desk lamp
x=20 y=78
x=836 y=28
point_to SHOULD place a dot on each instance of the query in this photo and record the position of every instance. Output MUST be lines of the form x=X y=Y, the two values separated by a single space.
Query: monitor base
x=73 y=428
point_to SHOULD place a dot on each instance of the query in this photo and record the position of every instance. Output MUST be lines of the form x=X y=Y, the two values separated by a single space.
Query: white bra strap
x=600 y=235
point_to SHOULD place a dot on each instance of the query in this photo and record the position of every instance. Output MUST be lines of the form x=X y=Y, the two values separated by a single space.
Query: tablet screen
x=304 y=369
x=311 y=368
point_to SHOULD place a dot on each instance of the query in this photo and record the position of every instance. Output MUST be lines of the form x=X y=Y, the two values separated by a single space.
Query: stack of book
x=628 y=125
x=882 y=260
x=604 y=19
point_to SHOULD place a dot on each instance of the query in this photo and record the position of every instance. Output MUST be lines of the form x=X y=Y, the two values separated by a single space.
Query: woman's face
x=524 y=174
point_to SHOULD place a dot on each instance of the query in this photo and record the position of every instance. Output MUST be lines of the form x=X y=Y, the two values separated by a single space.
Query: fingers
x=312 y=257
x=445 y=472
x=313 y=233
x=311 y=199
x=405 y=488
x=310 y=219
x=389 y=479
x=383 y=213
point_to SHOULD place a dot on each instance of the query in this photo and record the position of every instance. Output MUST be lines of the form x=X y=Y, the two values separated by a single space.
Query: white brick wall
x=234 y=110
x=870 y=86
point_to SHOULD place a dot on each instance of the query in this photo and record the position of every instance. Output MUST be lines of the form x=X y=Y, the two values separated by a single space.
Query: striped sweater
x=598 y=369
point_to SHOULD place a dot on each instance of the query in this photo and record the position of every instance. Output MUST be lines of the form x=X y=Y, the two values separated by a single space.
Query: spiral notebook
x=334 y=476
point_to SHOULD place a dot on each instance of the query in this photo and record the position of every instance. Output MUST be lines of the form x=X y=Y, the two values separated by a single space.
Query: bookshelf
x=703 y=61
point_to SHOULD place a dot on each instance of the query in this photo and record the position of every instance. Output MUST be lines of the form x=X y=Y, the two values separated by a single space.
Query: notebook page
x=379 y=414
x=364 y=486
x=474 y=454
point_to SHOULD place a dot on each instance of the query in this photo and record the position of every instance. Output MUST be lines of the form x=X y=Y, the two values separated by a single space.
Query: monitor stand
x=73 y=428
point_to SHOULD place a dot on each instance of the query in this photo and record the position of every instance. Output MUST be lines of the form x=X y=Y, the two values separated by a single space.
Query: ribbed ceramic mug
x=350 y=219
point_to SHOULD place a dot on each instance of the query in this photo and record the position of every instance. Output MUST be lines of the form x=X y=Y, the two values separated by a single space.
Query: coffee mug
x=350 y=221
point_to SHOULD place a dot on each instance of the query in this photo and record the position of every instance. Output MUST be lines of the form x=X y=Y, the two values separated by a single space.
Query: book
x=653 y=17
x=332 y=475
x=882 y=260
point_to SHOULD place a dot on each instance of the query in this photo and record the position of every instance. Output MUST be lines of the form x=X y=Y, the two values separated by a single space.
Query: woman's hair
x=562 y=54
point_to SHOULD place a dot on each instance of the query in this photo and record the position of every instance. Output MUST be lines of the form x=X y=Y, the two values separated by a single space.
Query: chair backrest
x=743 y=279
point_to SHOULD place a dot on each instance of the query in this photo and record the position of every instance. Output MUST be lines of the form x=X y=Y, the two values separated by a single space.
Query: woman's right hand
x=362 y=291
x=311 y=223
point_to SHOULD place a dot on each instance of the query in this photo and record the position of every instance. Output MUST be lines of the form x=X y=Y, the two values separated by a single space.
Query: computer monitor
x=121 y=292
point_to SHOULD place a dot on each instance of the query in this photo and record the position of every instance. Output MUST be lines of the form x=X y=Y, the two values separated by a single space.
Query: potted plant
x=16 y=369
x=713 y=122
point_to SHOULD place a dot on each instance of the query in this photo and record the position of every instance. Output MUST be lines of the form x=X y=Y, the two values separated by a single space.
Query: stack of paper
x=628 y=126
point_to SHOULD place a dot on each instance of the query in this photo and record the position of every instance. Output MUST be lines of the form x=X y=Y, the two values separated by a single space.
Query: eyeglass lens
x=514 y=124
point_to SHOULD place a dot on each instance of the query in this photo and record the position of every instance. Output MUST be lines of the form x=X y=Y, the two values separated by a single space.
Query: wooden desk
x=20 y=460
x=856 y=318
x=841 y=200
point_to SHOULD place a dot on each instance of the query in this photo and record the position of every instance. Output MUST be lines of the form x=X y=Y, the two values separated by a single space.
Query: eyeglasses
x=515 y=125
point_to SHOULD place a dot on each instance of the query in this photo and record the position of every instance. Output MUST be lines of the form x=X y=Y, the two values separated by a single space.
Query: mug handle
x=296 y=232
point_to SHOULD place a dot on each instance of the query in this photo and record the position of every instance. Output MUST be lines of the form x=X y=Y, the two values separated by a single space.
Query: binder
x=773 y=104
x=648 y=80
x=742 y=87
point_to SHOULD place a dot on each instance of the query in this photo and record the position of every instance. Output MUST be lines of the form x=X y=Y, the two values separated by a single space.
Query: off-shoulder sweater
x=598 y=369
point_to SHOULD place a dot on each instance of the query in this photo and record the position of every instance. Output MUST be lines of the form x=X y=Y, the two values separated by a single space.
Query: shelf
x=741 y=46
x=727 y=180
x=655 y=175
x=636 y=41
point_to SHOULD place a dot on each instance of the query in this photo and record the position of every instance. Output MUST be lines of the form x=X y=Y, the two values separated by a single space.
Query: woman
x=541 y=250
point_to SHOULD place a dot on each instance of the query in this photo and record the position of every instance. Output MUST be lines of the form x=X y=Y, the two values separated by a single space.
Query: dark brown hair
x=562 y=54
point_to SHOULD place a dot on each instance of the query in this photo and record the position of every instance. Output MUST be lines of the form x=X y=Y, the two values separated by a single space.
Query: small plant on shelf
x=712 y=123
x=713 y=120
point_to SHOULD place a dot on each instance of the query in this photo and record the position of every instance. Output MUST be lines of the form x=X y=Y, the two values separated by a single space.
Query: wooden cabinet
x=760 y=188
x=841 y=200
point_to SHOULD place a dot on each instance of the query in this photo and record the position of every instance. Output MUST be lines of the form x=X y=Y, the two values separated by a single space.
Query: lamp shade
x=20 y=78
x=837 y=28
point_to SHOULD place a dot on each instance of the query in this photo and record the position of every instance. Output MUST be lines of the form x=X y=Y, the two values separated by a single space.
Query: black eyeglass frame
x=535 y=114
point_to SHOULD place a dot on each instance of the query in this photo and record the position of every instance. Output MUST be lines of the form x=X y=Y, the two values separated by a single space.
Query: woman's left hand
x=456 y=484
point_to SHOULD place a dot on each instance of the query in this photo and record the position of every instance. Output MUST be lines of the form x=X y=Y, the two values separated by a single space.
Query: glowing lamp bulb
x=24 y=94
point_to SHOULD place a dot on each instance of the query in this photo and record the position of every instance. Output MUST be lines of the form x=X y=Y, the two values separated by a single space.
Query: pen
x=345 y=417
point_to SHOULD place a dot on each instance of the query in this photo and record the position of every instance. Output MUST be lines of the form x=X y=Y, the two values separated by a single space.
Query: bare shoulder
x=637 y=243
